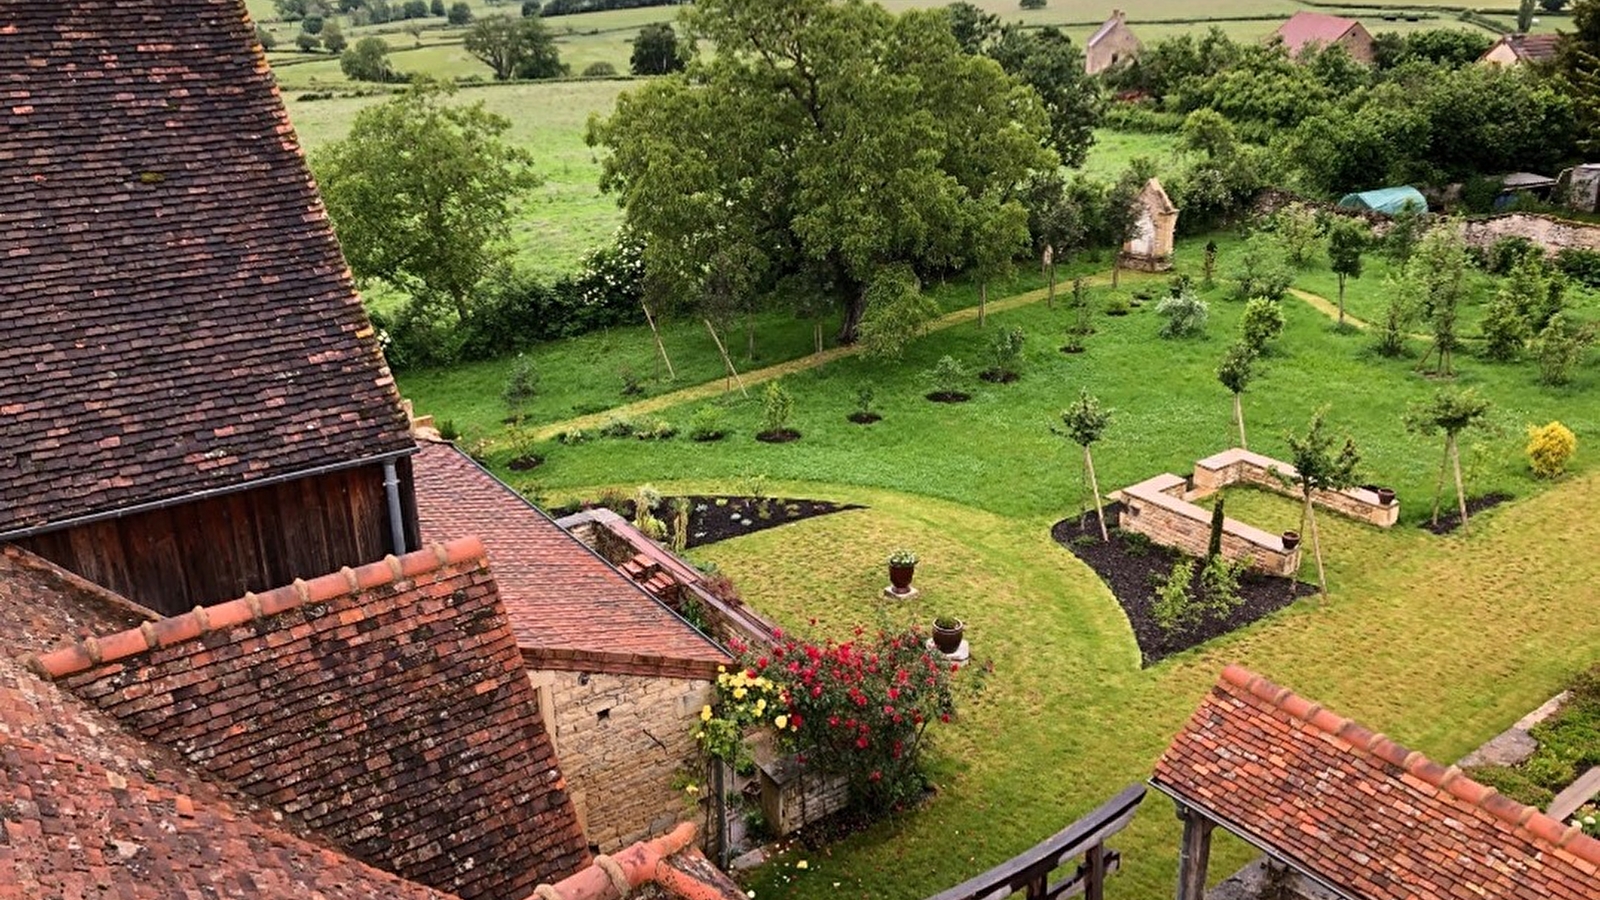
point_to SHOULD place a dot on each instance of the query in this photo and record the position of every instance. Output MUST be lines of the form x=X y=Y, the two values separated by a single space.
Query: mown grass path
x=759 y=376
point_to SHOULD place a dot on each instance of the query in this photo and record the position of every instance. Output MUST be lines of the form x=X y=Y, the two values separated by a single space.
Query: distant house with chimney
x=1310 y=31
x=1113 y=44
x=1522 y=49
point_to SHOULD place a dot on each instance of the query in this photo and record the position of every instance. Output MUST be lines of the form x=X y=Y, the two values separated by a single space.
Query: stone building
x=621 y=676
x=1521 y=50
x=1112 y=44
x=1150 y=249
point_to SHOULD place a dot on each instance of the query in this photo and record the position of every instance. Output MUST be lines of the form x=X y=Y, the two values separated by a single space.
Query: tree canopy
x=514 y=47
x=656 y=50
x=829 y=141
x=421 y=191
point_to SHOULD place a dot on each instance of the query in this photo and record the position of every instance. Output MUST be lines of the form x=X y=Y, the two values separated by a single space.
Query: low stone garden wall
x=1238 y=466
x=1156 y=508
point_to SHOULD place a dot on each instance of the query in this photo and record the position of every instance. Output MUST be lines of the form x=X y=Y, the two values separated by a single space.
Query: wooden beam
x=1194 y=854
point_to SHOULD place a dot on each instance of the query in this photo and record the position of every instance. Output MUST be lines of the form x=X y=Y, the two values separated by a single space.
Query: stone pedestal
x=910 y=594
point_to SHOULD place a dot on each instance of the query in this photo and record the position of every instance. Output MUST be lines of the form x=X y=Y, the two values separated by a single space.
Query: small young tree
x=1404 y=231
x=1120 y=217
x=1185 y=314
x=1299 y=232
x=1439 y=272
x=1450 y=413
x=1347 y=240
x=1080 y=314
x=1261 y=325
x=1320 y=467
x=1263 y=269
x=1235 y=371
x=1005 y=351
x=1559 y=348
x=1084 y=422
x=522 y=385
x=1218 y=517
x=1210 y=265
x=777 y=407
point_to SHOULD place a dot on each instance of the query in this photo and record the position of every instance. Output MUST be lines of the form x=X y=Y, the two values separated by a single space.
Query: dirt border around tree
x=1450 y=518
x=717 y=517
x=1131 y=566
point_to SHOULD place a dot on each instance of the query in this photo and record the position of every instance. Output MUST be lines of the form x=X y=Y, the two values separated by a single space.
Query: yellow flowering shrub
x=1550 y=448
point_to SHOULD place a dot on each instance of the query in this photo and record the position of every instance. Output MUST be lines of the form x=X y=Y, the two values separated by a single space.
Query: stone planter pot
x=1291 y=540
x=948 y=640
x=900 y=578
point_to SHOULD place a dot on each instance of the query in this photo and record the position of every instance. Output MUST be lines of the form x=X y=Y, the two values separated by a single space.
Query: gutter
x=386 y=458
x=1242 y=834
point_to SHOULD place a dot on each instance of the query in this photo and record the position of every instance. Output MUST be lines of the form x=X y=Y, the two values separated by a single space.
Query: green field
x=1437 y=642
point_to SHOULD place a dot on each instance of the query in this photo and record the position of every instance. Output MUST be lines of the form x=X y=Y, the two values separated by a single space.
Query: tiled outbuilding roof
x=569 y=608
x=386 y=707
x=175 y=312
x=1361 y=812
x=89 y=810
x=1534 y=48
x=1307 y=27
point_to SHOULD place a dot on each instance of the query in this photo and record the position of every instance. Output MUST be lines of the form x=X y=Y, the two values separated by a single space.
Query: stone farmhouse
x=1306 y=30
x=1112 y=44
x=228 y=664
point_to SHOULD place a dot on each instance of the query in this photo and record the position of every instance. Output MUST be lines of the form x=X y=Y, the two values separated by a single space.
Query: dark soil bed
x=1132 y=568
x=524 y=463
x=865 y=418
x=1071 y=349
x=995 y=376
x=780 y=436
x=715 y=518
x=1451 y=521
x=949 y=397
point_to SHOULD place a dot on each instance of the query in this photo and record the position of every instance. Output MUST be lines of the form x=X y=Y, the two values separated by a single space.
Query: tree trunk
x=1461 y=494
x=849 y=328
x=983 y=303
x=1341 y=299
x=733 y=373
x=1238 y=416
x=817 y=334
x=1050 y=298
x=1094 y=485
x=1316 y=549
x=660 y=347
x=1438 y=487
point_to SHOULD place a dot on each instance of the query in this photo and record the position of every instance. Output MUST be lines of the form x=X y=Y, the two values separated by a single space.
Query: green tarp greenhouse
x=1387 y=200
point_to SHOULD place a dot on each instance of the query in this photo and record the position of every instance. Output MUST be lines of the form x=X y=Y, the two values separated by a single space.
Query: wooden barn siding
x=212 y=550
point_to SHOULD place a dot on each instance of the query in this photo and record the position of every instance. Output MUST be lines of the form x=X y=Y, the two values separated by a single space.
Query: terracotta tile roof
x=569 y=608
x=89 y=810
x=386 y=707
x=670 y=862
x=1536 y=48
x=42 y=603
x=1313 y=27
x=1360 y=811
x=176 y=314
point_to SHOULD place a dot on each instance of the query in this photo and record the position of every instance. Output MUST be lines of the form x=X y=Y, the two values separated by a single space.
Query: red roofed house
x=1308 y=30
x=621 y=676
x=194 y=402
x=1353 y=813
x=1522 y=49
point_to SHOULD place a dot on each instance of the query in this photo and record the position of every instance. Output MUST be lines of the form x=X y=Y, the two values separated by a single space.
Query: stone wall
x=621 y=741
x=1552 y=234
x=1238 y=466
x=791 y=795
x=1157 y=510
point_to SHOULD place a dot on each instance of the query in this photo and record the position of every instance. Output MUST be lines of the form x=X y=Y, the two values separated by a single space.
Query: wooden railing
x=1030 y=872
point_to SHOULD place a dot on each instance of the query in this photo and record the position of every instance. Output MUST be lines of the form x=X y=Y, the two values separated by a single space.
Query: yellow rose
x=781 y=721
x=738 y=693
x=705 y=714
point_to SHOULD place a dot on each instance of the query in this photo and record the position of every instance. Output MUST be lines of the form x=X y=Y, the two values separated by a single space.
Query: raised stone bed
x=1238 y=466
x=1156 y=508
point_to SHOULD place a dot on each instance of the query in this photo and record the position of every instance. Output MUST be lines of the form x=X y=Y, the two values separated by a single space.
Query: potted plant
x=1385 y=496
x=1291 y=540
x=902 y=565
x=947 y=633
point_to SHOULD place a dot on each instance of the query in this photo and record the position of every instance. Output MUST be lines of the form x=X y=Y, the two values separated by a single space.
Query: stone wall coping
x=1161 y=484
x=1144 y=491
x=1237 y=455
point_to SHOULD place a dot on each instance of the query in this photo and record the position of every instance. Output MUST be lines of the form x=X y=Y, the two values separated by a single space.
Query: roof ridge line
x=1451 y=779
x=78 y=656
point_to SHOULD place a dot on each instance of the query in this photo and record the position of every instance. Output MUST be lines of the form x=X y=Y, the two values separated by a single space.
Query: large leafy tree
x=421 y=192
x=656 y=50
x=514 y=47
x=1047 y=60
x=1579 y=65
x=823 y=141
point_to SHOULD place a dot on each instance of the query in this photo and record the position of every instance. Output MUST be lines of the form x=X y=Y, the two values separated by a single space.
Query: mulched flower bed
x=1451 y=521
x=524 y=463
x=865 y=418
x=1132 y=568
x=996 y=376
x=716 y=518
x=949 y=397
x=780 y=436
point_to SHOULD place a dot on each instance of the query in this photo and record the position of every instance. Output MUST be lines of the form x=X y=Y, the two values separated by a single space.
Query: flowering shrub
x=858 y=709
x=1588 y=818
